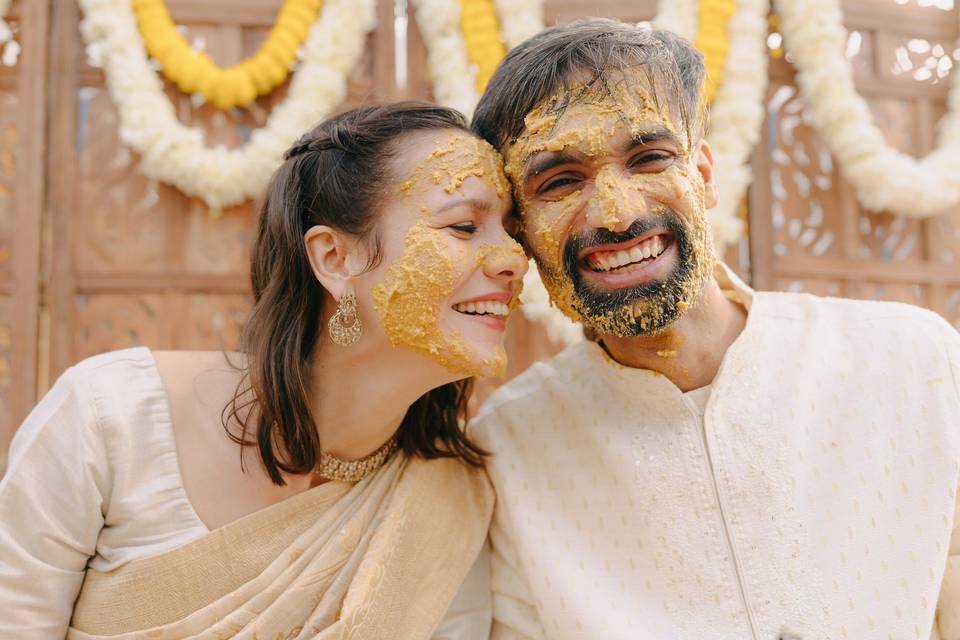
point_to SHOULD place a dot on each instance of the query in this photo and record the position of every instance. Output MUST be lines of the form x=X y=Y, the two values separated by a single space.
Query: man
x=716 y=462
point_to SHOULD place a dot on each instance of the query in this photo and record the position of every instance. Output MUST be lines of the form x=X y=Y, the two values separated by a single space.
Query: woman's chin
x=490 y=362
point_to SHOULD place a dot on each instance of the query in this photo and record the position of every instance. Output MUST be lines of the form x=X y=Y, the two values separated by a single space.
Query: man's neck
x=690 y=351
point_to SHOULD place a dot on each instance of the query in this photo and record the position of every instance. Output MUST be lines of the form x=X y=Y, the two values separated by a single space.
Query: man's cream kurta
x=814 y=499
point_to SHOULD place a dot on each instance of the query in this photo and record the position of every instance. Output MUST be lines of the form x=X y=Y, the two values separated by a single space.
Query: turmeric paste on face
x=585 y=119
x=417 y=287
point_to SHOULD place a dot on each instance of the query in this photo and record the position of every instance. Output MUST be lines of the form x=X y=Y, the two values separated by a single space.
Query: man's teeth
x=484 y=307
x=608 y=260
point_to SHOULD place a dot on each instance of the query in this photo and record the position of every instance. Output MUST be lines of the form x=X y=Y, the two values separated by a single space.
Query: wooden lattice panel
x=106 y=321
x=808 y=231
x=8 y=176
x=150 y=265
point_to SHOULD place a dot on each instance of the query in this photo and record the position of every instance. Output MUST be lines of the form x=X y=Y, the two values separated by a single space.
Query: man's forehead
x=596 y=120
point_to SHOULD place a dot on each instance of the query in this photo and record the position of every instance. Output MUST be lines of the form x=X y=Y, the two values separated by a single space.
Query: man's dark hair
x=548 y=62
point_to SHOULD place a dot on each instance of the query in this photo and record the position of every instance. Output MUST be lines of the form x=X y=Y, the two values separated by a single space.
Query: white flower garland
x=519 y=20
x=885 y=179
x=679 y=16
x=736 y=115
x=178 y=155
x=5 y=32
x=454 y=80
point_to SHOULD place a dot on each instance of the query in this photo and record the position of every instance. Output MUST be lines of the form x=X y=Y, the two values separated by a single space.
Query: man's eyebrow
x=473 y=203
x=650 y=136
x=546 y=161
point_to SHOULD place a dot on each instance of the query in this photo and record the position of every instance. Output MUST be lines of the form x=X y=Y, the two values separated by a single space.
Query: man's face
x=613 y=195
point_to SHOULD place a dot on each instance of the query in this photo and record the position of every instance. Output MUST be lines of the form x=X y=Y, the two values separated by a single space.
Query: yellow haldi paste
x=417 y=287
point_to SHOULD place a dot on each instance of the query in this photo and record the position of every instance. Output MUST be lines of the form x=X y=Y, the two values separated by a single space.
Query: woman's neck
x=360 y=395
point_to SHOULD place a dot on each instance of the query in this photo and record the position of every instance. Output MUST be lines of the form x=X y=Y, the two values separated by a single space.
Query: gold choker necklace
x=332 y=468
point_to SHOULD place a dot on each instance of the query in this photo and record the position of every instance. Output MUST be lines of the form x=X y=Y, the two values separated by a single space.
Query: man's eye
x=556 y=183
x=467 y=228
x=652 y=159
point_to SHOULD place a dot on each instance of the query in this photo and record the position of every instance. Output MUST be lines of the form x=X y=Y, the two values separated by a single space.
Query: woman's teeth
x=609 y=260
x=483 y=308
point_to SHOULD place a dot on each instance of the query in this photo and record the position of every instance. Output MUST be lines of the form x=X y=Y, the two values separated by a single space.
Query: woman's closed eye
x=465 y=229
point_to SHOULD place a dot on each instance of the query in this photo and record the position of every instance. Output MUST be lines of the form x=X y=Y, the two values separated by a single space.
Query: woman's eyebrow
x=474 y=203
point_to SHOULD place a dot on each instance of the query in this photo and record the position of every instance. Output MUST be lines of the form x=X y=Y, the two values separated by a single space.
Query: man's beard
x=651 y=307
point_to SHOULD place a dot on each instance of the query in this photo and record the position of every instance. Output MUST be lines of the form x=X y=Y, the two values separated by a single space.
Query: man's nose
x=615 y=203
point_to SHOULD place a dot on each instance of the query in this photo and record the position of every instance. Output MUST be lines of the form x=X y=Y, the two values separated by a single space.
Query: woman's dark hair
x=334 y=175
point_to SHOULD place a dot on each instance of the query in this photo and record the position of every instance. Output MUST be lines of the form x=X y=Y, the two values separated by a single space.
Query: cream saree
x=379 y=559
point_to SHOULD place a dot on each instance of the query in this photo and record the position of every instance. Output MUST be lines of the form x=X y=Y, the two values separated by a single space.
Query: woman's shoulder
x=198 y=384
x=130 y=391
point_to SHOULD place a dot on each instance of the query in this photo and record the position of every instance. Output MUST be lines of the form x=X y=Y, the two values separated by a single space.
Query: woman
x=317 y=484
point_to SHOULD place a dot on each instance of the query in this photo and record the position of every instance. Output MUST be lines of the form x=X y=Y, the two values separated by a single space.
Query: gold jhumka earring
x=342 y=331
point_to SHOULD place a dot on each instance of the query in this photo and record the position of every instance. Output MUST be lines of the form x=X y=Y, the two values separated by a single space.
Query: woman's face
x=450 y=273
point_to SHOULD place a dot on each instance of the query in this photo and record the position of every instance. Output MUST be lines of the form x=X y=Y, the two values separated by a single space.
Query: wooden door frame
x=28 y=202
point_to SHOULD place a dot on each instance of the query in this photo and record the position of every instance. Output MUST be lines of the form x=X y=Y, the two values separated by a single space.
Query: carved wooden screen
x=807 y=230
x=22 y=158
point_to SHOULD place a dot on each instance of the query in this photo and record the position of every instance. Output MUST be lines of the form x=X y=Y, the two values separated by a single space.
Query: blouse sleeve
x=51 y=511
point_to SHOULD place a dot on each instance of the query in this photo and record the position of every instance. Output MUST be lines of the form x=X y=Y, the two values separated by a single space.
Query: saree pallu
x=379 y=559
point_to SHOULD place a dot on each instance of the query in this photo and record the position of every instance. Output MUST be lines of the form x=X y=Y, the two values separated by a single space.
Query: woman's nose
x=504 y=260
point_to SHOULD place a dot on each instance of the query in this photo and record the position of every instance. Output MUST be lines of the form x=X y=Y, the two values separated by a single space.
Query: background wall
x=94 y=256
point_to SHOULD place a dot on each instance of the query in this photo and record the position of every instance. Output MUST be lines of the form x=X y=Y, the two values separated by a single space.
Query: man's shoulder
x=846 y=312
x=542 y=383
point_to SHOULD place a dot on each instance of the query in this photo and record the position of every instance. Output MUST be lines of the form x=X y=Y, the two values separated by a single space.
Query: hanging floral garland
x=6 y=33
x=736 y=115
x=713 y=40
x=679 y=16
x=454 y=79
x=885 y=179
x=485 y=49
x=177 y=154
x=235 y=86
x=460 y=66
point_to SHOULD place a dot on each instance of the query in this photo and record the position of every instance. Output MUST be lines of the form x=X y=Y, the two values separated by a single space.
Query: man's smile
x=634 y=262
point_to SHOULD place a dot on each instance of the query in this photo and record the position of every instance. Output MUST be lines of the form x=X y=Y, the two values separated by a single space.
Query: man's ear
x=330 y=253
x=704 y=159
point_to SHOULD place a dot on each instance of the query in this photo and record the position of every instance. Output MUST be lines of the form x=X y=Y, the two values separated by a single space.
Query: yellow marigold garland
x=713 y=40
x=237 y=85
x=481 y=35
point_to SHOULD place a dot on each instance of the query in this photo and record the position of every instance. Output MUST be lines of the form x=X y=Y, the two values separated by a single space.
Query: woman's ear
x=704 y=157
x=330 y=253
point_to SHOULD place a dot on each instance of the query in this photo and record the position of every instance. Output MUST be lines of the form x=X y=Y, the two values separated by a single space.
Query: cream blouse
x=93 y=480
